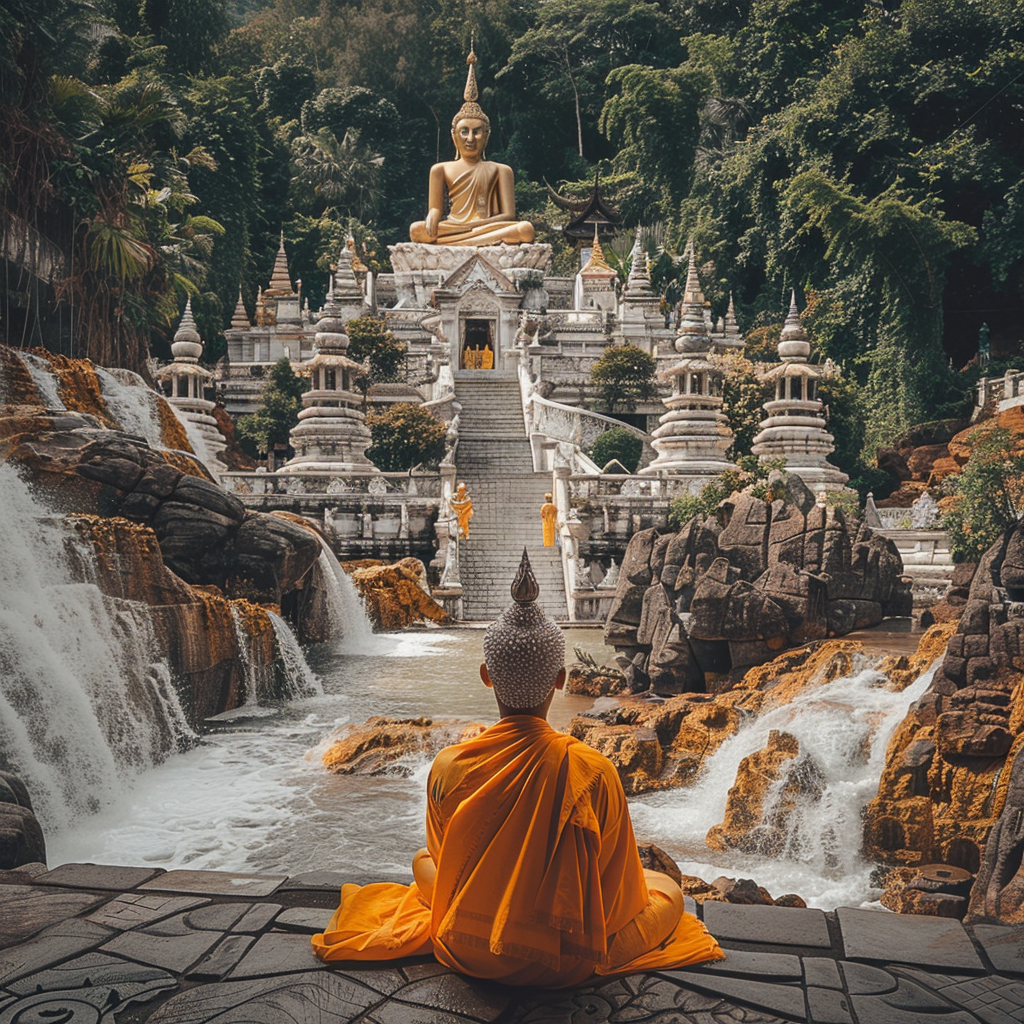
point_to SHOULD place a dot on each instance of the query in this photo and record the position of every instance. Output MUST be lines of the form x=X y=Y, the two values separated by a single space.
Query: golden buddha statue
x=481 y=194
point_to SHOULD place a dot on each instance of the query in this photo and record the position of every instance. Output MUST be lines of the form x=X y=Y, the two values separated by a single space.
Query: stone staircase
x=495 y=463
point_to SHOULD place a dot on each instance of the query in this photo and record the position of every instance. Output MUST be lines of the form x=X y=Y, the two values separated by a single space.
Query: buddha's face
x=470 y=135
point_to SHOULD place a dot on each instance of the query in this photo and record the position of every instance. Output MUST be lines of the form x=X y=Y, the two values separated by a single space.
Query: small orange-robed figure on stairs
x=463 y=505
x=549 y=520
x=481 y=194
x=531 y=874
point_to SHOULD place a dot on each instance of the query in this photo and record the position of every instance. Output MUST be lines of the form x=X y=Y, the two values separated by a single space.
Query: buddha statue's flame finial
x=470 y=93
x=471 y=108
x=524 y=587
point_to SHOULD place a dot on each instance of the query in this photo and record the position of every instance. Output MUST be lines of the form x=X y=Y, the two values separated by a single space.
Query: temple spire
x=240 y=318
x=471 y=94
x=280 y=282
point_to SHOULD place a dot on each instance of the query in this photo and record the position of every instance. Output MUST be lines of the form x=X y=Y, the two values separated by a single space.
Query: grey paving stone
x=26 y=910
x=778 y=966
x=864 y=980
x=784 y=999
x=332 y=880
x=133 y=910
x=112 y=877
x=827 y=1006
x=385 y=980
x=215 y=883
x=258 y=918
x=903 y=938
x=424 y=970
x=1003 y=945
x=221 y=959
x=277 y=953
x=878 y=1010
x=51 y=946
x=316 y=998
x=308 y=920
x=822 y=972
x=172 y=952
x=777 y=926
x=96 y=969
x=453 y=993
x=991 y=998
x=217 y=917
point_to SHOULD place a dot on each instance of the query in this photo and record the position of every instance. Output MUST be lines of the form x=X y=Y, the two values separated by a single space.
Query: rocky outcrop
x=595 y=681
x=761 y=802
x=732 y=590
x=21 y=838
x=396 y=596
x=380 y=745
x=934 y=890
x=744 y=891
x=952 y=773
x=662 y=745
x=921 y=459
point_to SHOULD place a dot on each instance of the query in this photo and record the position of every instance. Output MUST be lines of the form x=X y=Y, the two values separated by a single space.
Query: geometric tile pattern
x=198 y=948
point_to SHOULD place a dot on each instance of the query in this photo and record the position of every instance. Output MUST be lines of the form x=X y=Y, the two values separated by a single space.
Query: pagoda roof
x=587 y=213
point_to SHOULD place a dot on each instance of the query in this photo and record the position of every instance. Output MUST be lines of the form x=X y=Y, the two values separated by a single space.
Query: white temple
x=795 y=429
x=694 y=434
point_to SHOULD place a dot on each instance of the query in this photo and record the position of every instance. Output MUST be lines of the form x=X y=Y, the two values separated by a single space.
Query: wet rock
x=727 y=607
x=396 y=595
x=379 y=745
x=21 y=837
x=654 y=858
x=595 y=681
x=933 y=890
x=752 y=823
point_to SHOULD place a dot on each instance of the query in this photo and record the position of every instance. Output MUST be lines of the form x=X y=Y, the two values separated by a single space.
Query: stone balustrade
x=1006 y=391
x=320 y=484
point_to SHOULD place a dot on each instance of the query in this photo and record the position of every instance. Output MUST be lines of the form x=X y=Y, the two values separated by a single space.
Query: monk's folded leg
x=424 y=871
x=653 y=925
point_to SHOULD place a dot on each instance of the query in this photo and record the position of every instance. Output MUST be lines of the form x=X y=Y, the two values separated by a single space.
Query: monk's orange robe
x=537 y=871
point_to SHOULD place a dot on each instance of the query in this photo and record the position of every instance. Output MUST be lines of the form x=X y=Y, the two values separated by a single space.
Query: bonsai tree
x=618 y=443
x=624 y=376
x=405 y=436
x=260 y=431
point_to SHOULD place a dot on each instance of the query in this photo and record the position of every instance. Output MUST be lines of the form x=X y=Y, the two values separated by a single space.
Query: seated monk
x=481 y=194
x=531 y=874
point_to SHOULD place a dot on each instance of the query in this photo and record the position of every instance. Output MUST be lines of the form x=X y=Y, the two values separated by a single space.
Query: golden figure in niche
x=481 y=194
x=463 y=506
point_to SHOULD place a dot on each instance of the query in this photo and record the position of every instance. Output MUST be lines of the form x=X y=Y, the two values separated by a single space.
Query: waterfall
x=300 y=679
x=350 y=627
x=83 y=704
x=843 y=728
x=39 y=370
x=245 y=656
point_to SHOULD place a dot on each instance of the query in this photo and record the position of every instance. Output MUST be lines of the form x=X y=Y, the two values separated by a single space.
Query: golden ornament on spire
x=524 y=587
x=597 y=260
x=470 y=108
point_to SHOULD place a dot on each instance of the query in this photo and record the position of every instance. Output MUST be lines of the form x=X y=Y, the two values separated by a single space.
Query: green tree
x=744 y=392
x=987 y=494
x=369 y=339
x=624 y=376
x=270 y=425
x=405 y=436
x=619 y=444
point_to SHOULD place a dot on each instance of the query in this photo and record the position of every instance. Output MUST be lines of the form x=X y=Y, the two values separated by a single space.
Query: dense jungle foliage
x=868 y=153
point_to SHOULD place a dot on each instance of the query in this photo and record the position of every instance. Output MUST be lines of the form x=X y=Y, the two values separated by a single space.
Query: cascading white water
x=82 y=703
x=351 y=630
x=245 y=657
x=42 y=377
x=843 y=728
x=300 y=679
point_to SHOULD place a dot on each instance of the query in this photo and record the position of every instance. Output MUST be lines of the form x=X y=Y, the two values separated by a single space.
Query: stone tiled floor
x=87 y=944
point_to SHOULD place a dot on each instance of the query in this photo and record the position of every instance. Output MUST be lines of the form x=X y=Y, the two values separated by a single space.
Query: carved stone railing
x=566 y=423
x=1006 y=391
x=321 y=484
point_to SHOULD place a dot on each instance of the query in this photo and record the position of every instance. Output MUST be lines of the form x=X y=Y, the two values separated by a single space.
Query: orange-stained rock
x=756 y=814
x=903 y=669
x=377 y=745
x=395 y=595
x=933 y=890
x=600 y=681
x=233 y=457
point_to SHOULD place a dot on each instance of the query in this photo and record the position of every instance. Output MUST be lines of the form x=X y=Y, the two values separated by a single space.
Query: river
x=253 y=796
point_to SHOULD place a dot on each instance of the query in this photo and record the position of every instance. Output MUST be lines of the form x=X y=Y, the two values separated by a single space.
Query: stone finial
x=693 y=329
x=639 y=282
x=346 y=288
x=280 y=282
x=187 y=345
x=240 y=318
x=793 y=344
x=731 y=326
